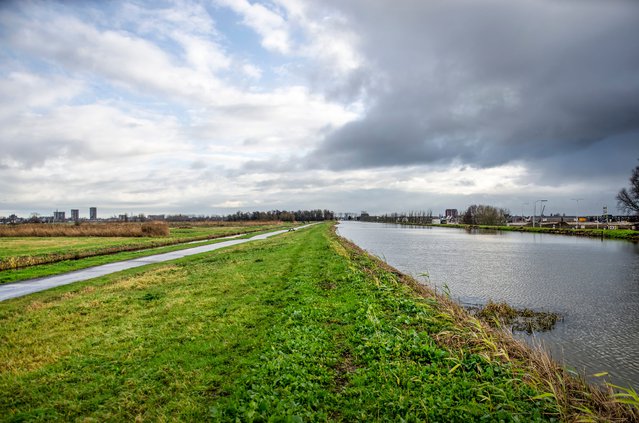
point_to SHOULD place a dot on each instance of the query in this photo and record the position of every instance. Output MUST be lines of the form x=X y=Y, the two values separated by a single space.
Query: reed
x=133 y=229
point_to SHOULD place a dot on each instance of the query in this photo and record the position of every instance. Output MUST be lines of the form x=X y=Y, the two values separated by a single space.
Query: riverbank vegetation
x=502 y=315
x=301 y=327
x=22 y=252
x=621 y=234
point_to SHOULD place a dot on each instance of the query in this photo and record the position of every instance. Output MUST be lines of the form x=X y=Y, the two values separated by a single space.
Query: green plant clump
x=521 y=320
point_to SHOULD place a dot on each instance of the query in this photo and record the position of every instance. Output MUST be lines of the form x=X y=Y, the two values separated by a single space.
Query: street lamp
x=577 y=214
x=535 y=210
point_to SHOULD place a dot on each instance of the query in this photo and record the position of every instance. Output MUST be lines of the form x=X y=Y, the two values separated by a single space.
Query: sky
x=209 y=107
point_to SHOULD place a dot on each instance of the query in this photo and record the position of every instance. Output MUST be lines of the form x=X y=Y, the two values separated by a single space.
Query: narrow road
x=19 y=289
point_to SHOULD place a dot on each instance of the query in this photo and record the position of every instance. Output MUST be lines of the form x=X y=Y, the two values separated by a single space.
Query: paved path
x=18 y=289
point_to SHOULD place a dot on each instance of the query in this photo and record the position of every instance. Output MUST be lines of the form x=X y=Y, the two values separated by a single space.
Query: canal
x=593 y=284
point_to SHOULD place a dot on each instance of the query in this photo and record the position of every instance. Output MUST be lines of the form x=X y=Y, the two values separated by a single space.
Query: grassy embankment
x=301 y=327
x=31 y=257
x=621 y=234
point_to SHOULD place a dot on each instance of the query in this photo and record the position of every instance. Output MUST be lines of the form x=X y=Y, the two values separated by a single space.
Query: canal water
x=593 y=284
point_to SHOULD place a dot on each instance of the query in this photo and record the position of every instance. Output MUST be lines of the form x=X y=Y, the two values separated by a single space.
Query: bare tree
x=485 y=215
x=628 y=200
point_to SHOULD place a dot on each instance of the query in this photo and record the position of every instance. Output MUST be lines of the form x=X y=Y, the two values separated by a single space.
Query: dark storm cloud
x=490 y=82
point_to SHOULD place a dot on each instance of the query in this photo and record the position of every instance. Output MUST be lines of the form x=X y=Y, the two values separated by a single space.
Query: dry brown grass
x=146 y=229
x=576 y=400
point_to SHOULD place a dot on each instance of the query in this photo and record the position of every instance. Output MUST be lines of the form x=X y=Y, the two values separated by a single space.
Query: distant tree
x=469 y=218
x=485 y=215
x=628 y=200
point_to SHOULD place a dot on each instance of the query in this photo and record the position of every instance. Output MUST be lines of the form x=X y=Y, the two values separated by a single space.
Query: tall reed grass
x=133 y=229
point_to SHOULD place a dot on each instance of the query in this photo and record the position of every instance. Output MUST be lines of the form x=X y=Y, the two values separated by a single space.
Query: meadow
x=301 y=327
x=21 y=252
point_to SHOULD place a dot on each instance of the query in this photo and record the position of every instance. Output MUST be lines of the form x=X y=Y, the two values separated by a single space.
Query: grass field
x=301 y=327
x=64 y=266
x=21 y=252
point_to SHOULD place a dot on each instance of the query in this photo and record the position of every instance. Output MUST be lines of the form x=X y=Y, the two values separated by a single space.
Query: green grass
x=14 y=246
x=64 y=266
x=294 y=328
x=19 y=253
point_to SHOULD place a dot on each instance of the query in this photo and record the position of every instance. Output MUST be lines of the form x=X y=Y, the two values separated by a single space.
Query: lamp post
x=577 y=214
x=535 y=210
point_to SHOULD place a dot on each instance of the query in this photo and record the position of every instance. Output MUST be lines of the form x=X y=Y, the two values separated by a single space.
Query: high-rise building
x=75 y=215
x=451 y=213
x=93 y=213
x=59 y=216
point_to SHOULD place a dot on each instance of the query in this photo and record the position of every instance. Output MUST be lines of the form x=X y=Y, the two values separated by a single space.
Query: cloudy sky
x=213 y=106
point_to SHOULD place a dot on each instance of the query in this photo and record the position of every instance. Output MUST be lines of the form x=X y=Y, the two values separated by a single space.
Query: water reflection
x=594 y=284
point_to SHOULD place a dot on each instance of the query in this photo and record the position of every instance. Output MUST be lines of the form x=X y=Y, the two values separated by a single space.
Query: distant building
x=93 y=213
x=59 y=216
x=451 y=213
x=75 y=215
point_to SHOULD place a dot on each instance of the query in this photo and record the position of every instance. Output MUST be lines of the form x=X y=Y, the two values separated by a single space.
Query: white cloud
x=89 y=132
x=121 y=57
x=283 y=121
x=252 y=71
x=268 y=23
x=20 y=89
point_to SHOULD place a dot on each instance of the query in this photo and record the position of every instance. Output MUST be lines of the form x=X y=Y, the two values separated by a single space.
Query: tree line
x=283 y=215
x=413 y=217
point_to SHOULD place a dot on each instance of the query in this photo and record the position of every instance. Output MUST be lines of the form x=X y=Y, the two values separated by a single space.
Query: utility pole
x=577 y=214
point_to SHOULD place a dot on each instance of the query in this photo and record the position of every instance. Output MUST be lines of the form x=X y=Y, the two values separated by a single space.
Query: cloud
x=90 y=132
x=488 y=83
x=347 y=105
x=268 y=23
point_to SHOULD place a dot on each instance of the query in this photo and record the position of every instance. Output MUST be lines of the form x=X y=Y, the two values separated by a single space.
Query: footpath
x=19 y=289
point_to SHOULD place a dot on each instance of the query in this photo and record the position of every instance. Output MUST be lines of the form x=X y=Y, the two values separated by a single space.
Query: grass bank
x=23 y=252
x=300 y=327
x=621 y=234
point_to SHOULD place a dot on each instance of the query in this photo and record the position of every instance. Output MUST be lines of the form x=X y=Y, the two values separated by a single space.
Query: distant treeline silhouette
x=283 y=215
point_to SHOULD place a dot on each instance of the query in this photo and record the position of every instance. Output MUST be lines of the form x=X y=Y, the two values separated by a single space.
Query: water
x=594 y=284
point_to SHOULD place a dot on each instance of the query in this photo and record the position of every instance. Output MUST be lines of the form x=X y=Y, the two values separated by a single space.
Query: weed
x=522 y=320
